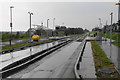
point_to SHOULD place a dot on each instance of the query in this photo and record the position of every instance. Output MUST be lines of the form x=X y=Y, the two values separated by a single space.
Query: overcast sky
x=72 y=14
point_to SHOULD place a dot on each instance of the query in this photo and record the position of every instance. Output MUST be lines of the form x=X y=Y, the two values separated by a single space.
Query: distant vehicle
x=93 y=34
x=35 y=37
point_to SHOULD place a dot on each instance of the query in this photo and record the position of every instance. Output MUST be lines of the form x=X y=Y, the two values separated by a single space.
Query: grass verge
x=115 y=36
x=116 y=43
x=14 y=39
x=72 y=35
x=101 y=61
x=21 y=45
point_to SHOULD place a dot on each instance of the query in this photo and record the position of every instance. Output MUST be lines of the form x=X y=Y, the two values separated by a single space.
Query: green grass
x=72 y=35
x=92 y=32
x=6 y=37
x=102 y=61
x=99 y=53
x=21 y=45
x=115 y=36
x=15 y=39
x=116 y=43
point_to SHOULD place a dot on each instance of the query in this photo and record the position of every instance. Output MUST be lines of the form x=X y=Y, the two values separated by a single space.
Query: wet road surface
x=59 y=65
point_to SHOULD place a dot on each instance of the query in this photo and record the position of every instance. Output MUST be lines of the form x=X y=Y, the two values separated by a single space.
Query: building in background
x=40 y=30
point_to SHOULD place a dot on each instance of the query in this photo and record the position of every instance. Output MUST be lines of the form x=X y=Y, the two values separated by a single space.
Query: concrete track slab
x=56 y=66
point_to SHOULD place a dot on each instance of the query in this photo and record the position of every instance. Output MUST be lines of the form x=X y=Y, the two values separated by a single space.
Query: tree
x=86 y=30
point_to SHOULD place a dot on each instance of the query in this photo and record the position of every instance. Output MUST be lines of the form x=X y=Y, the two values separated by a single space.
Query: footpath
x=87 y=67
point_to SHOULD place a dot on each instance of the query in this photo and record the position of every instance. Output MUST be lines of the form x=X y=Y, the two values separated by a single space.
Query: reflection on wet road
x=9 y=58
x=60 y=65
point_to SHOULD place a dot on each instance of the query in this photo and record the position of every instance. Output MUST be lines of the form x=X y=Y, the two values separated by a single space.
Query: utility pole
x=11 y=23
x=111 y=28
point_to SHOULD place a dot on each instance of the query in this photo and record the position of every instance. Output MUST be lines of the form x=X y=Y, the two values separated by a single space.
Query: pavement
x=87 y=67
x=112 y=52
x=90 y=38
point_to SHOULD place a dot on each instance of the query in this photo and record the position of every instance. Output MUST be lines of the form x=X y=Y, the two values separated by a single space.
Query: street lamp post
x=30 y=32
x=111 y=35
x=11 y=23
x=100 y=26
x=118 y=11
x=30 y=25
x=47 y=22
x=105 y=31
x=111 y=28
x=118 y=16
x=53 y=25
x=47 y=28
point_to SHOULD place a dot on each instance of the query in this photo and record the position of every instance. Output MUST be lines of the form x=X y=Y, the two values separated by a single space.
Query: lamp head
x=31 y=13
x=11 y=6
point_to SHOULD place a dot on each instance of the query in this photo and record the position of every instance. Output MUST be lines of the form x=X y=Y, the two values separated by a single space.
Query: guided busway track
x=18 y=65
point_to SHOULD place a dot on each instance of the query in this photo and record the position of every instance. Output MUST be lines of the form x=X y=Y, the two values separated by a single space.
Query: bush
x=6 y=36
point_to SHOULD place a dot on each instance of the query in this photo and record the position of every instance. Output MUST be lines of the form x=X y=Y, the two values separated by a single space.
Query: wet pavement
x=87 y=67
x=60 y=65
x=11 y=57
x=112 y=52
x=90 y=38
